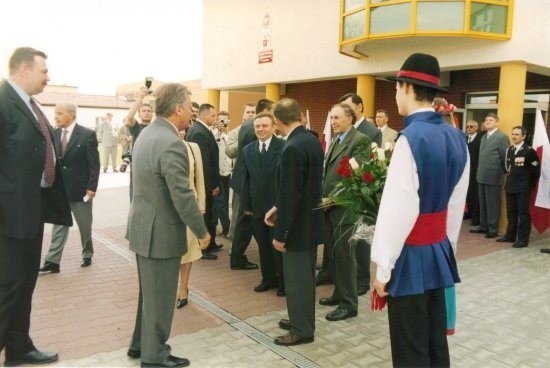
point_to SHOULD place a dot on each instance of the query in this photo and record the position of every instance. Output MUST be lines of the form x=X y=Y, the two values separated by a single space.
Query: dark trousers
x=418 y=330
x=208 y=212
x=271 y=264
x=472 y=201
x=344 y=270
x=519 y=219
x=489 y=207
x=299 y=269
x=221 y=205
x=362 y=258
x=19 y=264
x=241 y=238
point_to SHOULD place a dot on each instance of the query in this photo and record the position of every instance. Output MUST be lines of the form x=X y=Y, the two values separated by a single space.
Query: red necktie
x=64 y=141
x=49 y=167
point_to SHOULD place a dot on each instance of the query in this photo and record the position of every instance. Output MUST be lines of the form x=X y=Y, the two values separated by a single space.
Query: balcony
x=362 y=21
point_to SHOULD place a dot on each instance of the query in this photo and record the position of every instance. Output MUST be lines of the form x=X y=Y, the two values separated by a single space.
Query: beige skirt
x=193 y=249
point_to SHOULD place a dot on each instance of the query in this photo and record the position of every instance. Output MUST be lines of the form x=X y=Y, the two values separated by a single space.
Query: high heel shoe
x=181 y=303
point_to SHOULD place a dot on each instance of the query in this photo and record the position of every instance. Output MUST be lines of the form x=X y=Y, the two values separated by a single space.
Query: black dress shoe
x=328 y=301
x=32 y=357
x=475 y=223
x=519 y=245
x=134 y=354
x=170 y=362
x=209 y=256
x=263 y=287
x=362 y=291
x=281 y=292
x=50 y=267
x=491 y=235
x=181 y=303
x=246 y=266
x=479 y=230
x=545 y=250
x=285 y=324
x=214 y=248
x=291 y=339
x=87 y=262
x=340 y=314
x=505 y=239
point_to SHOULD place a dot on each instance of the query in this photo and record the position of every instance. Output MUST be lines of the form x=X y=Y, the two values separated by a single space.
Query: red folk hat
x=420 y=69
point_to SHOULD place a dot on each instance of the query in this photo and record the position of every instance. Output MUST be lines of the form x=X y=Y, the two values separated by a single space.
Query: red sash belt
x=429 y=228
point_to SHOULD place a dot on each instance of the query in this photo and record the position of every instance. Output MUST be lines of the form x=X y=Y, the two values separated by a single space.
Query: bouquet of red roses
x=362 y=182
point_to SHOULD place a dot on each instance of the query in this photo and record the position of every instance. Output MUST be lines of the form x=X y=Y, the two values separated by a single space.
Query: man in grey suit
x=490 y=176
x=367 y=128
x=339 y=220
x=80 y=167
x=108 y=137
x=163 y=205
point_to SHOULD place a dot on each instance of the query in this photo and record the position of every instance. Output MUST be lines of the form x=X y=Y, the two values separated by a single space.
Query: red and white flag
x=540 y=198
x=327 y=134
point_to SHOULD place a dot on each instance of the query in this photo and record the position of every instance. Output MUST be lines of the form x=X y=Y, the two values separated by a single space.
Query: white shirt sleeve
x=455 y=208
x=399 y=209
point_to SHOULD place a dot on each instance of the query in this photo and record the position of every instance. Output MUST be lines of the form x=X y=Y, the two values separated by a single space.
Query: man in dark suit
x=258 y=197
x=31 y=193
x=339 y=221
x=375 y=135
x=490 y=176
x=523 y=168
x=162 y=207
x=243 y=226
x=472 y=199
x=80 y=166
x=201 y=134
x=298 y=223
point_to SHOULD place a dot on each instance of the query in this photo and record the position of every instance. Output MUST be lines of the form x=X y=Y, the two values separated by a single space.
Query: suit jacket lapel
x=74 y=138
x=21 y=105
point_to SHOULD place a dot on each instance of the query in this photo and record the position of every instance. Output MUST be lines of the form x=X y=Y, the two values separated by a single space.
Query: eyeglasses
x=470 y=126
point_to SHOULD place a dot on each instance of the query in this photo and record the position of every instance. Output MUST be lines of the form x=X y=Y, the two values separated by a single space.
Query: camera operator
x=135 y=127
x=221 y=202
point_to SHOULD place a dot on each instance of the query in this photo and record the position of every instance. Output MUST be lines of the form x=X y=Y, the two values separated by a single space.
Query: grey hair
x=68 y=106
x=168 y=96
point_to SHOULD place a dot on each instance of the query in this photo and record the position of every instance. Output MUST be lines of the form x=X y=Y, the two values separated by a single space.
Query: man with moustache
x=31 y=193
x=80 y=158
x=163 y=206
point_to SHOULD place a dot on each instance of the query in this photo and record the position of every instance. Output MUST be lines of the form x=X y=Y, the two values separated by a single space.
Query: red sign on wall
x=265 y=56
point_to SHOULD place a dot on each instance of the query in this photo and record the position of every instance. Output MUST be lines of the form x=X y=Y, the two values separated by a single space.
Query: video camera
x=148 y=84
x=126 y=160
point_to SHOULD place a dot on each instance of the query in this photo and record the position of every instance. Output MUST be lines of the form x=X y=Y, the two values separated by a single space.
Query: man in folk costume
x=419 y=220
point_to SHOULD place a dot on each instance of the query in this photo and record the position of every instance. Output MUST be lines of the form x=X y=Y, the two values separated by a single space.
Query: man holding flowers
x=340 y=220
x=419 y=220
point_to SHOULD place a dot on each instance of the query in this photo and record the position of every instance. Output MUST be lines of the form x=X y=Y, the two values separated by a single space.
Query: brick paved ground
x=87 y=315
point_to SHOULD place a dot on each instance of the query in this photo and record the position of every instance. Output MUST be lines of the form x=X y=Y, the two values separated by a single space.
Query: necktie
x=49 y=167
x=64 y=141
x=263 y=149
x=469 y=139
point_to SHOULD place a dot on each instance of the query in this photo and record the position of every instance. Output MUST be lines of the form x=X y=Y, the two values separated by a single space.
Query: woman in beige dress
x=196 y=181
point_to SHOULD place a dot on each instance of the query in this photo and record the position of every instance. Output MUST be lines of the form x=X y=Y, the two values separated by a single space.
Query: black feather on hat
x=420 y=69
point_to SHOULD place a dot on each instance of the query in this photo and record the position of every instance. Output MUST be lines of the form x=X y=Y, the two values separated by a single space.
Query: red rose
x=368 y=178
x=346 y=171
x=343 y=168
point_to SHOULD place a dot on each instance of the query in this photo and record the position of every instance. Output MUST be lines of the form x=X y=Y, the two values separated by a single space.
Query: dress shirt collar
x=518 y=147
x=21 y=92
x=205 y=125
x=358 y=122
x=267 y=143
x=490 y=132
x=343 y=136
x=173 y=126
